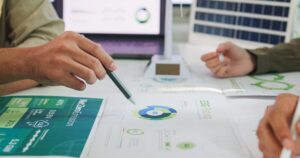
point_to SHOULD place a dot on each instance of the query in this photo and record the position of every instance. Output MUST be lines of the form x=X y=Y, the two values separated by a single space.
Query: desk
x=242 y=116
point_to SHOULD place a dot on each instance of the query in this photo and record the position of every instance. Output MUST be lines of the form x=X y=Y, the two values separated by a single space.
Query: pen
x=120 y=85
x=287 y=153
x=221 y=57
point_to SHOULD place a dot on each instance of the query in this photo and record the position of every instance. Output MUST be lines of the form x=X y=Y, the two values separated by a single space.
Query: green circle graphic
x=135 y=132
x=276 y=83
x=156 y=112
x=142 y=15
x=186 y=145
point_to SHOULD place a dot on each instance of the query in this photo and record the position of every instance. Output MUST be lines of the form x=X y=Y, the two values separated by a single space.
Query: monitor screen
x=182 y=1
x=113 y=17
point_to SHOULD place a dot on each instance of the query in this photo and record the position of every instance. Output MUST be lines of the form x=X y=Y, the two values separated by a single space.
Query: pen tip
x=132 y=101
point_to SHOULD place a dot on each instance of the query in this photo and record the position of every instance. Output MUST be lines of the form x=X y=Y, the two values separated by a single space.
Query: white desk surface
x=251 y=108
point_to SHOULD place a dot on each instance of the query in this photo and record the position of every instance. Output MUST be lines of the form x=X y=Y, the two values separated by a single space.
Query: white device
x=168 y=67
x=167 y=70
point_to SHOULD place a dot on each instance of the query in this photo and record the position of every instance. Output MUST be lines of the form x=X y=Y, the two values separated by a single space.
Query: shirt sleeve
x=32 y=22
x=281 y=58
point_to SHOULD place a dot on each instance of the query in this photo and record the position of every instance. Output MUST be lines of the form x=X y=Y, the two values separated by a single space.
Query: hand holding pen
x=274 y=132
x=229 y=60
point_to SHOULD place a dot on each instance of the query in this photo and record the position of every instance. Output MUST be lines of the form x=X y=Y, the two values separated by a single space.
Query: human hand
x=274 y=129
x=237 y=61
x=68 y=60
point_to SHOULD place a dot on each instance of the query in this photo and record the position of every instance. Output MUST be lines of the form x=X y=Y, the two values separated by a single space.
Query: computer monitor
x=136 y=25
x=186 y=2
x=113 y=16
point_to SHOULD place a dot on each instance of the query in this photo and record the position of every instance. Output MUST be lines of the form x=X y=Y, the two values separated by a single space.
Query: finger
x=297 y=141
x=280 y=126
x=209 y=56
x=216 y=69
x=89 y=61
x=97 y=51
x=223 y=71
x=268 y=142
x=280 y=118
x=213 y=63
x=226 y=60
x=71 y=81
x=224 y=47
x=81 y=71
x=269 y=109
x=298 y=128
x=296 y=148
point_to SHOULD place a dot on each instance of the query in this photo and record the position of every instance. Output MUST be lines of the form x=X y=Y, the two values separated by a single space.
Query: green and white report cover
x=47 y=126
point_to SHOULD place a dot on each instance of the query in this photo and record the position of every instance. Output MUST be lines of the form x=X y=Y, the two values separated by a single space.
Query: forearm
x=281 y=58
x=17 y=86
x=13 y=64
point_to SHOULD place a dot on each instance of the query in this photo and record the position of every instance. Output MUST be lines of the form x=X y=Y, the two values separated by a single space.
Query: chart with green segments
x=156 y=112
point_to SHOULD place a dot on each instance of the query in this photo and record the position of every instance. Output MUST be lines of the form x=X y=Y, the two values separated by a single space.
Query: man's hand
x=274 y=129
x=67 y=60
x=237 y=61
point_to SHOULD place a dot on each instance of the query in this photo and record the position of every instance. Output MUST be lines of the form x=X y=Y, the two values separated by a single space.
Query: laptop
x=125 y=28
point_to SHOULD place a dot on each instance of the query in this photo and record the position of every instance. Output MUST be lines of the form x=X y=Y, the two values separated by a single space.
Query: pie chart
x=157 y=112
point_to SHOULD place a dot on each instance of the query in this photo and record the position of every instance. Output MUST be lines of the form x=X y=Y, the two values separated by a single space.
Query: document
x=255 y=85
x=262 y=85
x=138 y=83
x=167 y=125
x=245 y=118
x=44 y=126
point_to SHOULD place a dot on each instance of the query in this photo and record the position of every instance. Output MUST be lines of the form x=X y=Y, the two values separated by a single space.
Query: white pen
x=287 y=153
x=221 y=57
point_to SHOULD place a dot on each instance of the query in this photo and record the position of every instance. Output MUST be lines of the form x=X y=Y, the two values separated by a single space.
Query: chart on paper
x=168 y=125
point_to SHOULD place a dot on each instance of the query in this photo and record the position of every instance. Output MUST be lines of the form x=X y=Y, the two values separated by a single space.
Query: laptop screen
x=127 y=17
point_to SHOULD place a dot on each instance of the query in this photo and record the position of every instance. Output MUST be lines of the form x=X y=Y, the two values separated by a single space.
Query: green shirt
x=281 y=58
x=27 y=23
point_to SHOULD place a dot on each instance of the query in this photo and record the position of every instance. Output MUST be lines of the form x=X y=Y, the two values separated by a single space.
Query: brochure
x=47 y=126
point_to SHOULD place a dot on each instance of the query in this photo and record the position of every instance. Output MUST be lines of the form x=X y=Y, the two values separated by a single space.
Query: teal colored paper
x=46 y=126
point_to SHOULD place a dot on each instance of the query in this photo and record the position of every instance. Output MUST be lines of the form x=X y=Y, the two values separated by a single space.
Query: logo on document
x=38 y=124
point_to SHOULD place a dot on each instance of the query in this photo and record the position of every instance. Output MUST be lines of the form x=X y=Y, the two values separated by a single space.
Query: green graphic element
x=142 y=15
x=168 y=145
x=49 y=103
x=186 y=146
x=38 y=126
x=19 y=102
x=156 y=112
x=11 y=116
x=135 y=132
x=275 y=83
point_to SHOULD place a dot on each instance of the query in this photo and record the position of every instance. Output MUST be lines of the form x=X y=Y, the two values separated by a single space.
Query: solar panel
x=262 y=21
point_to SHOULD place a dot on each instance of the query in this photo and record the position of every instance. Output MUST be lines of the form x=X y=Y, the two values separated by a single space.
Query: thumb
x=225 y=47
x=280 y=120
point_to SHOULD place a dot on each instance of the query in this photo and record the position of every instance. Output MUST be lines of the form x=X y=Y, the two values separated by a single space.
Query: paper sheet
x=246 y=115
x=262 y=85
x=169 y=125
x=137 y=83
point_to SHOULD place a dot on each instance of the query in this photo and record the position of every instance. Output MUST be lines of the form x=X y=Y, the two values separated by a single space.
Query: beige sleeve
x=32 y=22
